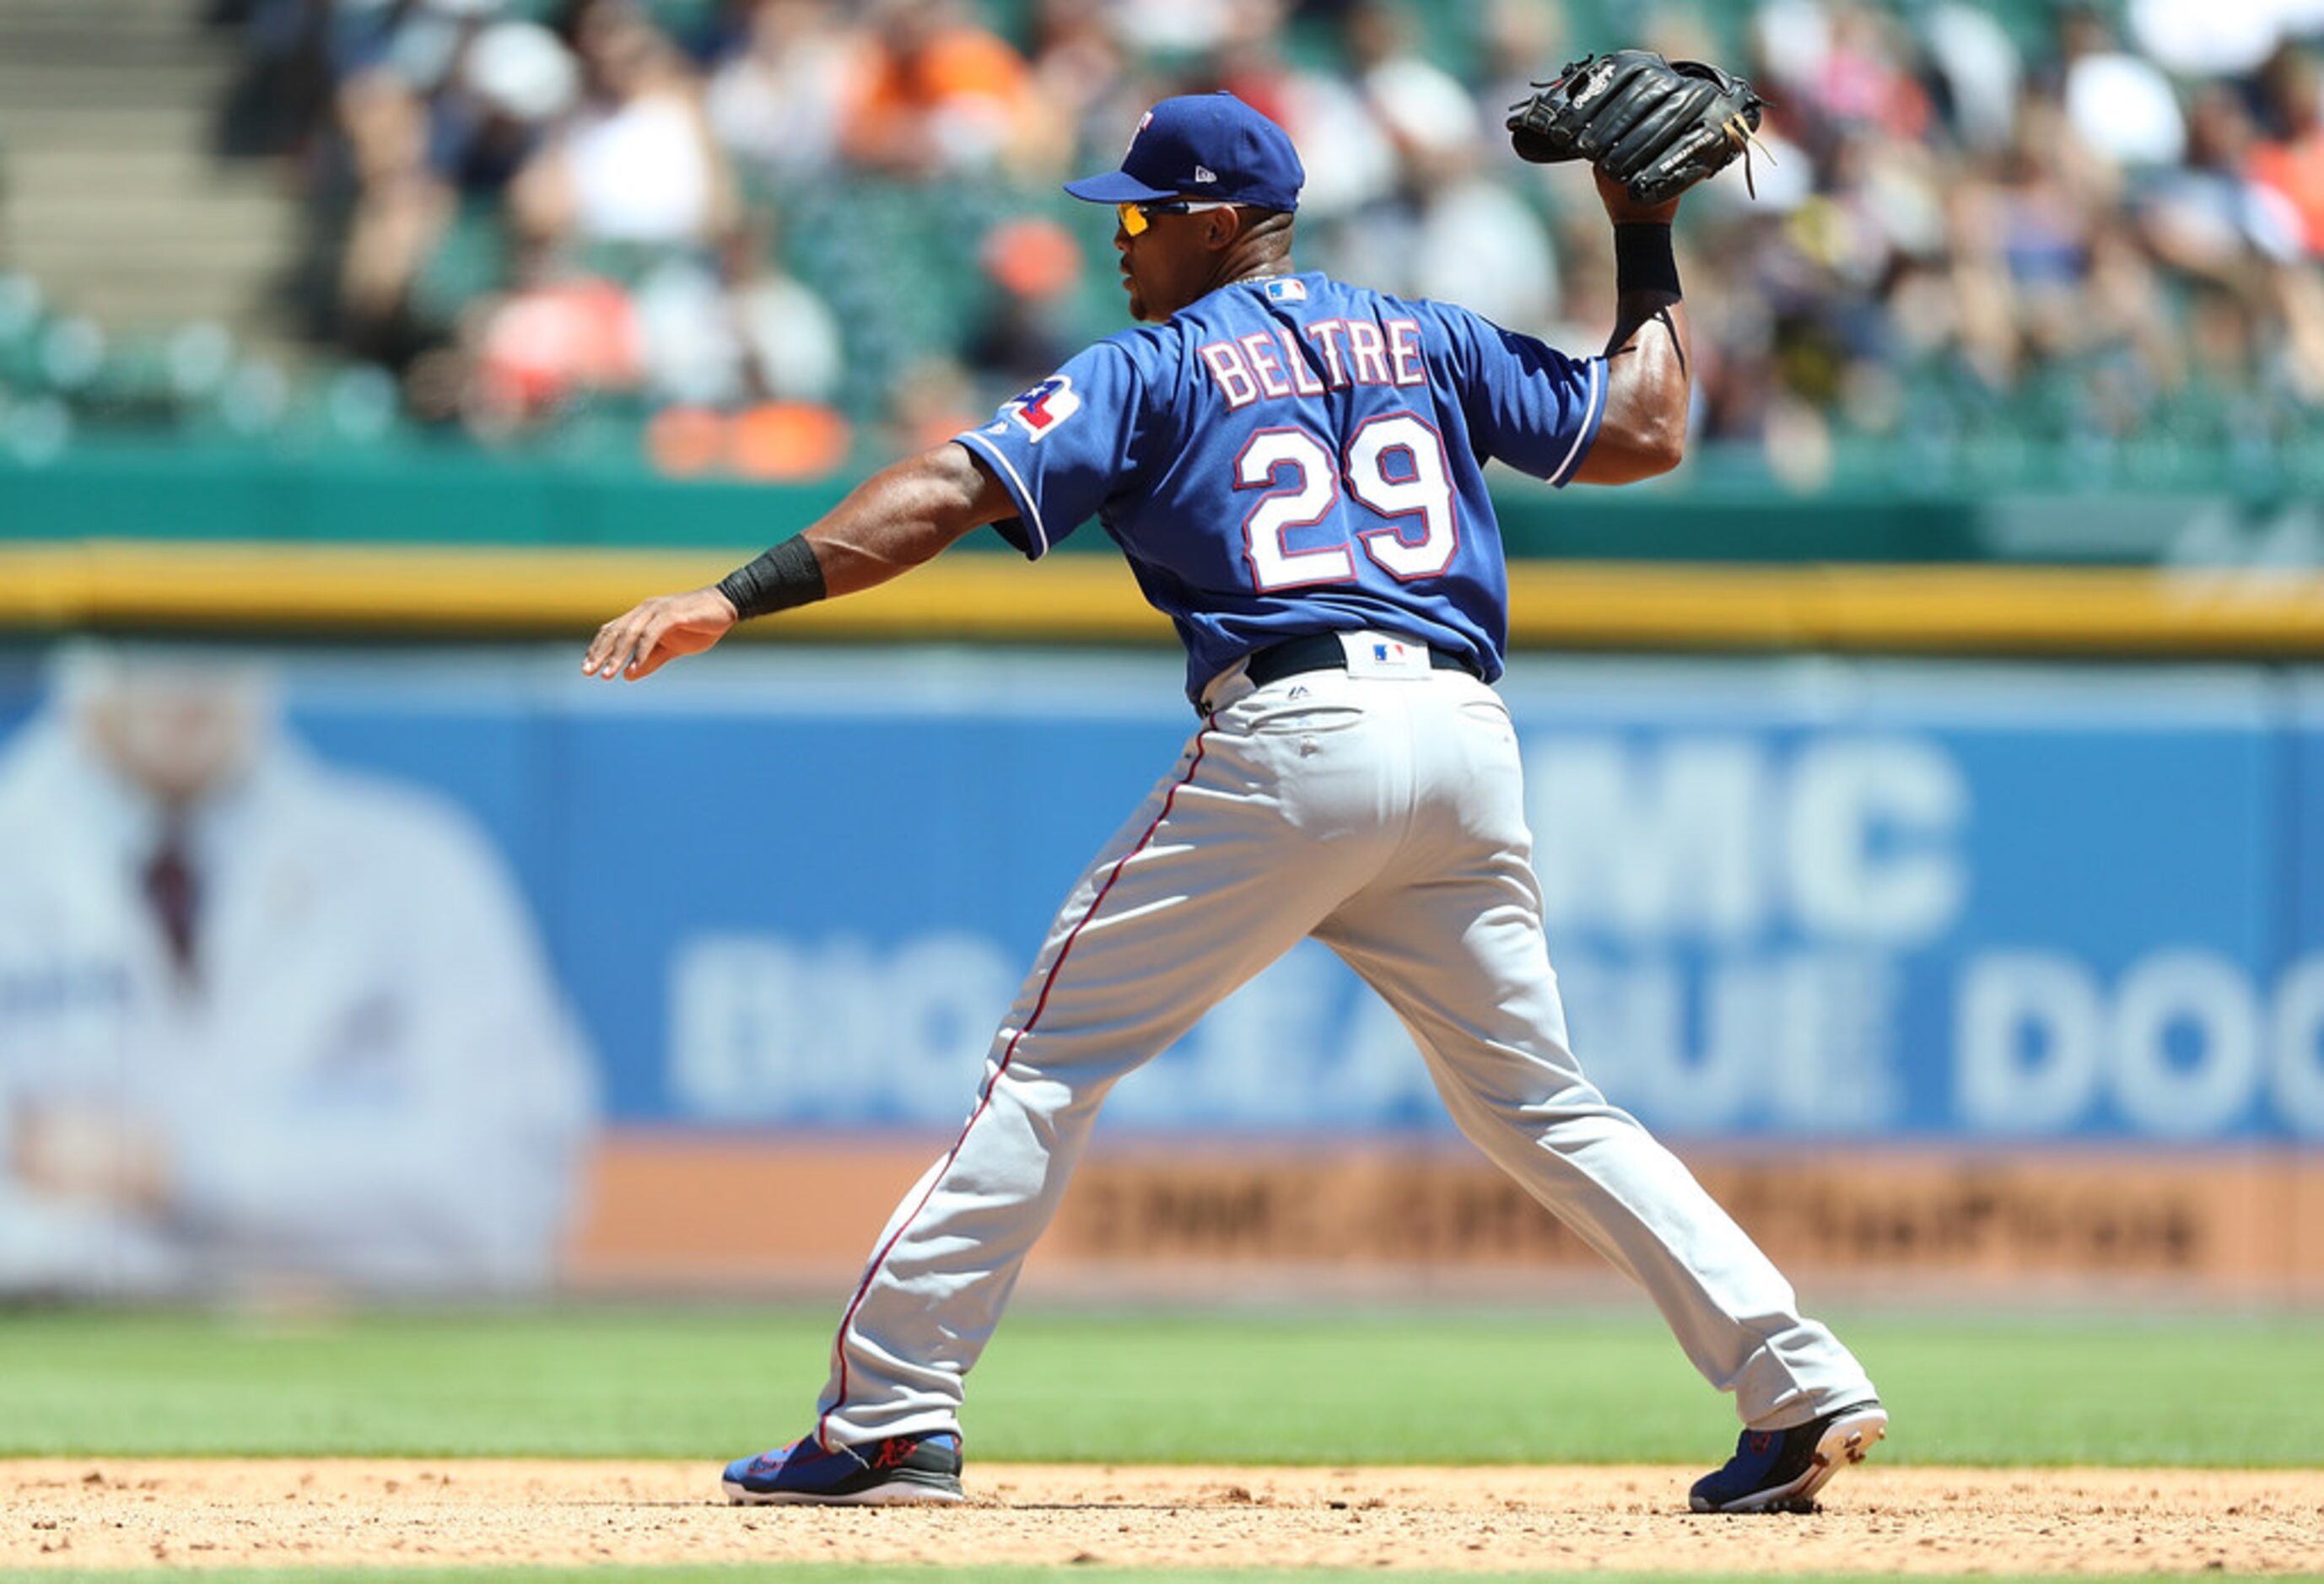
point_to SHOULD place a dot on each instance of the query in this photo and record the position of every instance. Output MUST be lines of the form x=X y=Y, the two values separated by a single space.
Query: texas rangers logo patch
x=1039 y=410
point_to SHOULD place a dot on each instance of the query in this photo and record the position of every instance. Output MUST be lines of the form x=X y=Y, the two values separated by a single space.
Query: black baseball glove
x=1657 y=126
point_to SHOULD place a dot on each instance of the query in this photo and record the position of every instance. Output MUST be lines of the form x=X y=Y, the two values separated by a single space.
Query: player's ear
x=1223 y=226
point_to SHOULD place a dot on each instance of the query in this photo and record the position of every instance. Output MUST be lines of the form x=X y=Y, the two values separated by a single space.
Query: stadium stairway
x=110 y=196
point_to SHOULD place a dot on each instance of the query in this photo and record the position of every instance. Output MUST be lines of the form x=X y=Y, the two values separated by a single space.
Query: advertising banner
x=1787 y=901
x=773 y=902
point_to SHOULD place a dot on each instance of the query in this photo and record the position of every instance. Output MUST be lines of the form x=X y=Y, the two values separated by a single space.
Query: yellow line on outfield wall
x=438 y=589
x=1931 y=608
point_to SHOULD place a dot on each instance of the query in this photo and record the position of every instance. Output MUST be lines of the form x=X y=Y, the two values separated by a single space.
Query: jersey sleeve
x=1529 y=404
x=1065 y=447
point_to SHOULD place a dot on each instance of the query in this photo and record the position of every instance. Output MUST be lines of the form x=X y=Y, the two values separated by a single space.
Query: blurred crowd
x=788 y=235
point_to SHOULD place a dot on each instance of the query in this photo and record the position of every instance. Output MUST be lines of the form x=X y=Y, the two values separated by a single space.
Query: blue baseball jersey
x=1293 y=454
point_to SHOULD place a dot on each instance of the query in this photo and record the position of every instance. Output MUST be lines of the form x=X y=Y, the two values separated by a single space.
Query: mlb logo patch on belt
x=1375 y=654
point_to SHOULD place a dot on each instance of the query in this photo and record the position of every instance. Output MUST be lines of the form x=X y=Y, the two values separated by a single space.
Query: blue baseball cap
x=1203 y=146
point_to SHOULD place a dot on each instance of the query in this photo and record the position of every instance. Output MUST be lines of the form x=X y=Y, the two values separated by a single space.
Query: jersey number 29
x=1394 y=465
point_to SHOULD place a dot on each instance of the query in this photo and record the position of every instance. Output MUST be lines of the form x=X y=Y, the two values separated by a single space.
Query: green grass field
x=1297 y=1388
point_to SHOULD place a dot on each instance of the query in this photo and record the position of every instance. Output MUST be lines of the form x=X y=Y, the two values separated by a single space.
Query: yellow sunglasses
x=1137 y=218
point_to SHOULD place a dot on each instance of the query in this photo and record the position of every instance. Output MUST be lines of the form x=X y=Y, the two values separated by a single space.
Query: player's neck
x=1256 y=263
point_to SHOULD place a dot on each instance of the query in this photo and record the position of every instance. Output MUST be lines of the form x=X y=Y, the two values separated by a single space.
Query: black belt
x=1323 y=651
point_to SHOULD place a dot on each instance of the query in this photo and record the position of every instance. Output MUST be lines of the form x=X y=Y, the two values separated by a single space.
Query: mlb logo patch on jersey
x=1287 y=290
x=1039 y=410
x=1378 y=654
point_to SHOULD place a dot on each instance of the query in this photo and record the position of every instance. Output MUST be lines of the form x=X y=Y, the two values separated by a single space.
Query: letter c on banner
x=2299 y=1047
x=1874 y=839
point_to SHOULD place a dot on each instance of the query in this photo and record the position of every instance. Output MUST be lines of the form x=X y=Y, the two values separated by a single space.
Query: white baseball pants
x=1385 y=816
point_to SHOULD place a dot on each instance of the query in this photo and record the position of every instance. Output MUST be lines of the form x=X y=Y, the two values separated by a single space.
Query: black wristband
x=786 y=575
x=1643 y=261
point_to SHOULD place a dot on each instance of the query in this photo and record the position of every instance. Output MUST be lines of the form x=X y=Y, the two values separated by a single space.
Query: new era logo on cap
x=1211 y=143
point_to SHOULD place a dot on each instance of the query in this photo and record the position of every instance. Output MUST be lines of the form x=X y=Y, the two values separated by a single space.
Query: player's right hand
x=652 y=633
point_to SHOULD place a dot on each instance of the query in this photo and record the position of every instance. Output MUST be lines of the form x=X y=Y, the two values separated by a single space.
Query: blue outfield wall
x=1799 y=898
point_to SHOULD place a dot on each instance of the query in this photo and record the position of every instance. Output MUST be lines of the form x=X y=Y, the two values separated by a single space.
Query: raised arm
x=1647 y=363
x=899 y=517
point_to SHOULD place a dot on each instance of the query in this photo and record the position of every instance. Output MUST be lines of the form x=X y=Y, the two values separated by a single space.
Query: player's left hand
x=652 y=633
x=1625 y=210
x=1657 y=126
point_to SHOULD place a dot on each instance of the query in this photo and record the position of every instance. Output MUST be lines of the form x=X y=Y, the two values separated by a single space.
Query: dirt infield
x=83 y=1513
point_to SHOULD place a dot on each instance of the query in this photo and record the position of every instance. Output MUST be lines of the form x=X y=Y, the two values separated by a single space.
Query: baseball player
x=1293 y=467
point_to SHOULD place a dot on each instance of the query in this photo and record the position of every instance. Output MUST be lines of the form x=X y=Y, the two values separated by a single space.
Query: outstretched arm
x=1647 y=363
x=892 y=522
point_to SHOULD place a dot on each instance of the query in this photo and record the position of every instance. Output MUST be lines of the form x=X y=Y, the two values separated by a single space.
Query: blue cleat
x=900 y=1468
x=1780 y=1470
